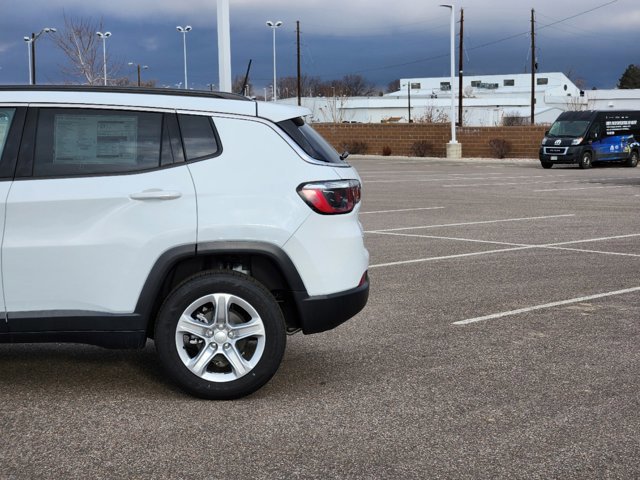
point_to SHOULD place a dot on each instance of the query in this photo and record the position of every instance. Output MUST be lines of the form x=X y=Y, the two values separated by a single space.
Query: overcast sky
x=594 y=40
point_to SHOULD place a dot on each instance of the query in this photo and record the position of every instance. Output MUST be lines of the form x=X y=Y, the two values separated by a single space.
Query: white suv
x=211 y=223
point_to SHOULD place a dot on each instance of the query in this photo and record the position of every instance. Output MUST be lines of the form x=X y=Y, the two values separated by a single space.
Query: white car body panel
x=84 y=244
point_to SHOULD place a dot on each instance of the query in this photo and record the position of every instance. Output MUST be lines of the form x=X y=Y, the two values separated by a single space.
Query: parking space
x=500 y=341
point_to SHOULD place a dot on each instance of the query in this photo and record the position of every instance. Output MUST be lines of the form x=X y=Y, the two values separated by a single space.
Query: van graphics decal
x=616 y=147
x=616 y=126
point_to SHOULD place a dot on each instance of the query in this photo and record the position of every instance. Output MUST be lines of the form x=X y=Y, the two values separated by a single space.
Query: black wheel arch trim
x=269 y=250
x=172 y=257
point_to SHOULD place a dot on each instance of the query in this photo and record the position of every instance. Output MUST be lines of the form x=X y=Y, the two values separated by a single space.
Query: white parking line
x=424 y=173
x=546 y=305
x=589 y=240
x=538 y=182
x=522 y=219
x=450 y=179
x=583 y=188
x=448 y=257
x=402 y=210
x=619 y=254
x=517 y=246
x=437 y=237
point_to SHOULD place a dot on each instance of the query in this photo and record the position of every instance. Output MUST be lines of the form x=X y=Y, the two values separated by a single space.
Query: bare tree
x=80 y=44
x=288 y=86
x=336 y=111
x=393 y=86
x=238 y=86
x=432 y=114
x=358 y=86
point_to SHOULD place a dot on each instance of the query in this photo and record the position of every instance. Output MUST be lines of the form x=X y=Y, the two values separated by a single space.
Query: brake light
x=331 y=197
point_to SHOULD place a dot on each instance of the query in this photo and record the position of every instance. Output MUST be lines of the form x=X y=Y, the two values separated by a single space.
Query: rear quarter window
x=199 y=137
x=310 y=141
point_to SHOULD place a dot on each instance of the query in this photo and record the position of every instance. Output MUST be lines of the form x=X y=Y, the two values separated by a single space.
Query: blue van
x=592 y=136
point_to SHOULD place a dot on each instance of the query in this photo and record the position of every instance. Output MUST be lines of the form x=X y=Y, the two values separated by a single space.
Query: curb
x=502 y=161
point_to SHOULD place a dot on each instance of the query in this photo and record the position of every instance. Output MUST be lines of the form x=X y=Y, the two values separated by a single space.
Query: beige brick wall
x=524 y=141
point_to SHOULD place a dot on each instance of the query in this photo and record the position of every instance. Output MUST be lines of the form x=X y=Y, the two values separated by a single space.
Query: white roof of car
x=148 y=98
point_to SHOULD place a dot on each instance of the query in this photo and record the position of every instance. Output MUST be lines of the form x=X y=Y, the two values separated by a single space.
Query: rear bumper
x=324 y=312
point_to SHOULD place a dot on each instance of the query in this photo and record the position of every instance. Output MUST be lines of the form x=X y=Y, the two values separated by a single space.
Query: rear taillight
x=331 y=197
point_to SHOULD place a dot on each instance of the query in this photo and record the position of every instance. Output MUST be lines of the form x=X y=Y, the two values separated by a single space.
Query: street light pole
x=31 y=43
x=453 y=149
x=104 y=37
x=273 y=27
x=28 y=42
x=184 y=32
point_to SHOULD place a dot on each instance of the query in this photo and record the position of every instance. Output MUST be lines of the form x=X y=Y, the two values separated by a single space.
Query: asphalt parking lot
x=500 y=341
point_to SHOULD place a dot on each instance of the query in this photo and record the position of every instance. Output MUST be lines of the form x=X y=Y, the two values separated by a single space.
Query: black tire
x=586 y=160
x=632 y=161
x=188 y=328
x=546 y=164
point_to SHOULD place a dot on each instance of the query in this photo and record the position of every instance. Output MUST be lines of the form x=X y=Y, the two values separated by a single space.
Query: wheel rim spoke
x=239 y=365
x=191 y=326
x=198 y=364
x=222 y=309
x=255 y=328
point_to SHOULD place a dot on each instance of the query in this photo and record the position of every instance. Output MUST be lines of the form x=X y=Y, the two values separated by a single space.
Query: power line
x=487 y=44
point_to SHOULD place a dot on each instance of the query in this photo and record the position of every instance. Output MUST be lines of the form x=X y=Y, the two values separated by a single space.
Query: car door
x=11 y=123
x=97 y=200
x=597 y=134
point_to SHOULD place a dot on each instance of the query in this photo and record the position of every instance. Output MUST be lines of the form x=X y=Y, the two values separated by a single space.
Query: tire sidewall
x=586 y=160
x=241 y=286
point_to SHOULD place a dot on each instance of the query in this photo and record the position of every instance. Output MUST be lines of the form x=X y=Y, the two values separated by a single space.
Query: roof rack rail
x=138 y=90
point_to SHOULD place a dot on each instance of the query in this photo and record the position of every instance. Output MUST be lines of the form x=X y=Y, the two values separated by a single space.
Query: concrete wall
x=524 y=141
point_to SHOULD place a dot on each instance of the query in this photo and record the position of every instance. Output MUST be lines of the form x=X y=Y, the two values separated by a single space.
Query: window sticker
x=95 y=139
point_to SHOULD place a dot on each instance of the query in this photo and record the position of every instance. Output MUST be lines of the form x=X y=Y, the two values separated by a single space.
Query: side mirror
x=344 y=155
x=546 y=133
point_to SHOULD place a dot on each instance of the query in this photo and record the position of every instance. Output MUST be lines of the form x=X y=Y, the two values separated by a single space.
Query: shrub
x=356 y=147
x=512 y=120
x=500 y=147
x=421 y=148
x=386 y=150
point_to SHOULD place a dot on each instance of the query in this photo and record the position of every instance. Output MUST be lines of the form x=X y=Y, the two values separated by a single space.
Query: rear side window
x=6 y=116
x=85 y=142
x=310 y=141
x=198 y=136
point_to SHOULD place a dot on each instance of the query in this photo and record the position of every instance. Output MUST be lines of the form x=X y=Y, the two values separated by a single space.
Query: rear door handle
x=155 y=194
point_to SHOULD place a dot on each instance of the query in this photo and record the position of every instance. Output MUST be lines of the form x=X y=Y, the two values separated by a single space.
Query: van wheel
x=585 y=160
x=220 y=335
x=546 y=164
x=632 y=161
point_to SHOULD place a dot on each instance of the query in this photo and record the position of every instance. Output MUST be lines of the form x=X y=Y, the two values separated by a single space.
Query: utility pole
x=534 y=67
x=299 y=72
x=409 y=98
x=460 y=67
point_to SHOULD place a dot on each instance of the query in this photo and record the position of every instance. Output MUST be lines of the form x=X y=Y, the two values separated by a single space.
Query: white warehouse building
x=486 y=99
